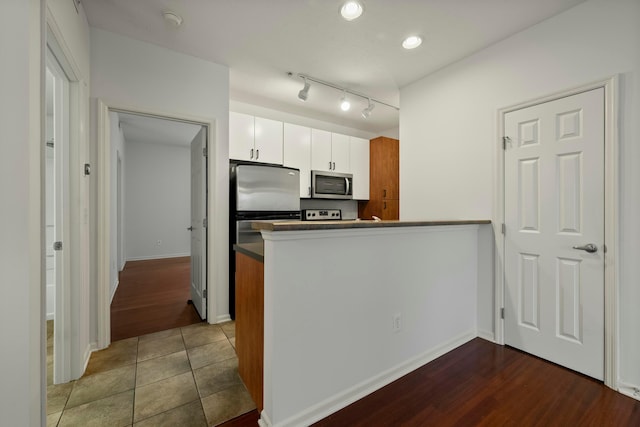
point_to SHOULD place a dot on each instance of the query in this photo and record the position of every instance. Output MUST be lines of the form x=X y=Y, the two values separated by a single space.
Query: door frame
x=611 y=197
x=75 y=342
x=103 y=107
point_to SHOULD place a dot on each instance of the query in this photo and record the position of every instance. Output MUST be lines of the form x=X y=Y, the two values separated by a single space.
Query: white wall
x=117 y=151
x=448 y=128
x=157 y=201
x=145 y=77
x=330 y=298
x=22 y=227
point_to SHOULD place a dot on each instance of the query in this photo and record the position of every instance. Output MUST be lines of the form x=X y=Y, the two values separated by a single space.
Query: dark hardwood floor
x=484 y=384
x=152 y=296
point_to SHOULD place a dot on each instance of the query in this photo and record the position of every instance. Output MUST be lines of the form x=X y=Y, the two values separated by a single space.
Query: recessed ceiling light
x=412 y=42
x=351 y=10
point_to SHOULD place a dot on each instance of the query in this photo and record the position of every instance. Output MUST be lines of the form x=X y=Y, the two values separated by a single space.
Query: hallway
x=152 y=296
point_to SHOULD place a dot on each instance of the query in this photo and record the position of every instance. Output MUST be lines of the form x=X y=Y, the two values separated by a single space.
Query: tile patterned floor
x=180 y=377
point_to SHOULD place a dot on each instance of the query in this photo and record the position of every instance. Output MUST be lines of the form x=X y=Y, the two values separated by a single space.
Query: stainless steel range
x=321 y=214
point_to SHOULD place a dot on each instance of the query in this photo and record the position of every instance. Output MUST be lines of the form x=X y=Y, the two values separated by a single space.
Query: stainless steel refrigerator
x=258 y=192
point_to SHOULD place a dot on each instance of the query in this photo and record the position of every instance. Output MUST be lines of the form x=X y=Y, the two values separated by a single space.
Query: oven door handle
x=348 y=185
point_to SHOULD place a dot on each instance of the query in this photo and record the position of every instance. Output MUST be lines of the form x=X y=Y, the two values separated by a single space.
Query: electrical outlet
x=397 y=322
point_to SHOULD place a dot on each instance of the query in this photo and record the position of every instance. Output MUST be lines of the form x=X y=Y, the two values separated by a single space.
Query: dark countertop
x=337 y=225
x=253 y=250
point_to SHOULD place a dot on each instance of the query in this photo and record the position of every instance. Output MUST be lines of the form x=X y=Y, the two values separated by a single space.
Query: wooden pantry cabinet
x=384 y=181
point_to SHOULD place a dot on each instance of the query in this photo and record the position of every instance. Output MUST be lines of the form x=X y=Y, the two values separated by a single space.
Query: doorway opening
x=153 y=263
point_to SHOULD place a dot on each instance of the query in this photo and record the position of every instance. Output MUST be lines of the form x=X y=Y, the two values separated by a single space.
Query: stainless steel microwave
x=331 y=185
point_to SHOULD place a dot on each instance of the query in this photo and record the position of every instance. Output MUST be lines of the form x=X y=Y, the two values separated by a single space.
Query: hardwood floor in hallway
x=152 y=296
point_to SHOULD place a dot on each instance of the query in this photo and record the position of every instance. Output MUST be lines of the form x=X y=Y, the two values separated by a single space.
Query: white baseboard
x=223 y=318
x=91 y=347
x=487 y=335
x=630 y=390
x=147 y=258
x=113 y=293
x=264 y=420
x=347 y=397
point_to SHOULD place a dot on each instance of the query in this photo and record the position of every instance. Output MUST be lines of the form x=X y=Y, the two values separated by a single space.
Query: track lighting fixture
x=367 y=111
x=345 y=105
x=304 y=92
x=344 y=102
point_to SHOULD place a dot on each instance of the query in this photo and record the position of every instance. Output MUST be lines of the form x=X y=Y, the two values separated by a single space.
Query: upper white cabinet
x=255 y=139
x=321 y=150
x=359 y=160
x=297 y=154
x=340 y=153
x=329 y=151
x=241 y=136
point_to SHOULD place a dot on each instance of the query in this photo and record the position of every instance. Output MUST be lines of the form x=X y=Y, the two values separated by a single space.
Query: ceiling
x=262 y=40
x=138 y=128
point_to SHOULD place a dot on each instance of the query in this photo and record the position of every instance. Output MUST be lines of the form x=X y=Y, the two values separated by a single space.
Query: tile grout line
x=193 y=375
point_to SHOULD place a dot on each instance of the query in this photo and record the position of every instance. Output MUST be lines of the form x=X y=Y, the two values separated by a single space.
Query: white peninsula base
x=347 y=311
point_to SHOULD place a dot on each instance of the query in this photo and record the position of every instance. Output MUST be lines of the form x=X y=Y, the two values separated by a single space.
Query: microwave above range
x=331 y=185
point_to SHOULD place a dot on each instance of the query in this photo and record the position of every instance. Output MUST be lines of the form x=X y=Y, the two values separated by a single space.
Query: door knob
x=589 y=247
x=190 y=228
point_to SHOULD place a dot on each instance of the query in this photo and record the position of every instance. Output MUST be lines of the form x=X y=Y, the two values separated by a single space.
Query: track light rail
x=343 y=89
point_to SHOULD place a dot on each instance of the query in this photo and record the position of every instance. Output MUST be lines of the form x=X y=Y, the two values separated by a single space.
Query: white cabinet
x=255 y=139
x=241 y=136
x=321 y=150
x=359 y=161
x=297 y=154
x=329 y=151
x=340 y=153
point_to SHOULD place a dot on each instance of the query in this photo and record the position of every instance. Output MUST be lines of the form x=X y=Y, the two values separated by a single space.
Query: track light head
x=345 y=105
x=304 y=92
x=367 y=111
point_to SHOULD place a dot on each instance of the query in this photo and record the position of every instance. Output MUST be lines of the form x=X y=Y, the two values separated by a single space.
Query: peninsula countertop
x=347 y=224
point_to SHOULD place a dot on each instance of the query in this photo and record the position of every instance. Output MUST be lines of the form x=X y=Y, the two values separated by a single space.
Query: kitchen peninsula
x=349 y=306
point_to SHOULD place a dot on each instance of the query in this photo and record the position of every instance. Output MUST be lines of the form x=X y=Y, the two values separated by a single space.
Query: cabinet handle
x=329 y=165
x=385 y=205
x=334 y=165
x=257 y=154
x=309 y=191
x=384 y=193
x=251 y=155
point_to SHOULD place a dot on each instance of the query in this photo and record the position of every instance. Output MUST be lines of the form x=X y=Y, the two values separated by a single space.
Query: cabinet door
x=384 y=169
x=390 y=169
x=297 y=154
x=268 y=141
x=390 y=210
x=340 y=153
x=241 y=136
x=359 y=160
x=321 y=150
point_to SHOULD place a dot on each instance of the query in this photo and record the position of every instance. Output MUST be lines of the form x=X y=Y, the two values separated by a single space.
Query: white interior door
x=198 y=223
x=554 y=204
x=58 y=212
